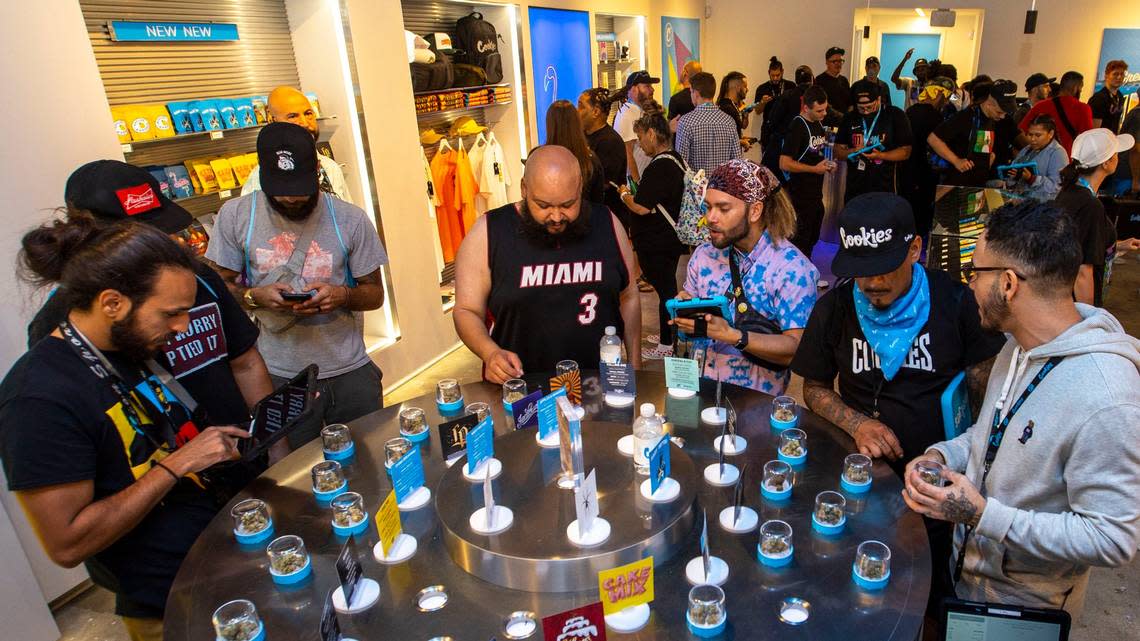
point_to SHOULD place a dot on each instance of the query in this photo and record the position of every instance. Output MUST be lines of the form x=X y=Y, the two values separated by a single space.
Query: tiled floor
x=1113 y=597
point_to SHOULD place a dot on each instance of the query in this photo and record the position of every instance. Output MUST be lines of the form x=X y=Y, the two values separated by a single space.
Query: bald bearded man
x=287 y=104
x=550 y=273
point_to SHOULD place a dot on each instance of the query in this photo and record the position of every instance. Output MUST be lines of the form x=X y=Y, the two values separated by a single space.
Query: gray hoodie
x=1068 y=497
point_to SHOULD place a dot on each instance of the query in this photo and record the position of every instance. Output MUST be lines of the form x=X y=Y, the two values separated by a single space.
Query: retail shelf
x=452 y=89
x=464 y=108
x=129 y=147
x=222 y=196
x=627 y=61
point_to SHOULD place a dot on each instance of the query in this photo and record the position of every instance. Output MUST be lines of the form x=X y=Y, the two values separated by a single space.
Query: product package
x=195 y=116
x=205 y=173
x=179 y=181
x=159 y=174
x=314 y=102
x=229 y=114
x=180 y=117
x=223 y=173
x=195 y=184
x=139 y=122
x=160 y=121
x=244 y=108
x=253 y=161
x=122 y=129
x=210 y=114
x=241 y=167
x=259 y=110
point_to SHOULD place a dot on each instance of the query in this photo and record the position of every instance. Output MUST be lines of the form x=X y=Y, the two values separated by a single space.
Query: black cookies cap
x=875 y=233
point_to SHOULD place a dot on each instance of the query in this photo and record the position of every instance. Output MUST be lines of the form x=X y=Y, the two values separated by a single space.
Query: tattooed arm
x=977 y=377
x=872 y=437
x=958 y=502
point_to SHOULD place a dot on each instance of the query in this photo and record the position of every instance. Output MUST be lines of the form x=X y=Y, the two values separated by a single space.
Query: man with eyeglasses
x=1044 y=485
x=874 y=139
x=835 y=83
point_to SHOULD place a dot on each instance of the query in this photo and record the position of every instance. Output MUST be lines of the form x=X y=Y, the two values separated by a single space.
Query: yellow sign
x=626 y=586
x=388 y=522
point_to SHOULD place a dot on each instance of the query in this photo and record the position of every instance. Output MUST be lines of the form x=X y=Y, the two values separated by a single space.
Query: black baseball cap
x=865 y=91
x=113 y=190
x=640 y=77
x=1036 y=80
x=287 y=160
x=872 y=59
x=875 y=232
x=1004 y=92
x=835 y=50
x=921 y=62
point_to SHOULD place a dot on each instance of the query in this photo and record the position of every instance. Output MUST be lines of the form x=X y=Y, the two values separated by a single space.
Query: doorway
x=894 y=46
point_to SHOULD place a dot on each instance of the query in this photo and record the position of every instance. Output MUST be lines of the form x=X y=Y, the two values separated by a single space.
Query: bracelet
x=347 y=295
x=168 y=471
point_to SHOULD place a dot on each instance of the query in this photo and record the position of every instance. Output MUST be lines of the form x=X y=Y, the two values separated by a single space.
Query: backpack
x=432 y=76
x=690 y=225
x=479 y=43
x=468 y=75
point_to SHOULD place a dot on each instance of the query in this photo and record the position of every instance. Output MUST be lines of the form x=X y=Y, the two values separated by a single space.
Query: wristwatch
x=743 y=342
x=248 y=298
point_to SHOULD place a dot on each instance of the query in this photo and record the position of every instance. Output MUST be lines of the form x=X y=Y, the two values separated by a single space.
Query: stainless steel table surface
x=217 y=569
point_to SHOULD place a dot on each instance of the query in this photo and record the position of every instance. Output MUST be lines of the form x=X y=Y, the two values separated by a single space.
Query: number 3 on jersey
x=589 y=303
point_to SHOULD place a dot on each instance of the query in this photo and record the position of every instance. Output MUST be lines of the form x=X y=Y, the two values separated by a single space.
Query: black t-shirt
x=970 y=135
x=804 y=142
x=219 y=331
x=784 y=110
x=889 y=126
x=776 y=90
x=607 y=145
x=1093 y=231
x=681 y=103
x=594 y=190
x=838 y=91
x=726 y=105
x=952 y=340
x=60 y=424
x=662 y=183
x=1108 y=108
x=924 y=119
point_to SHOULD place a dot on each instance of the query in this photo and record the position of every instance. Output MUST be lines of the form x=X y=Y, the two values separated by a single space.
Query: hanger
x=480 y=137
x=443 y=144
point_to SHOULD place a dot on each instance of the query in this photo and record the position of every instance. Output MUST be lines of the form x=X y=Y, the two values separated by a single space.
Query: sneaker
x=653 y=338
x=657 y=353
x=822 y=284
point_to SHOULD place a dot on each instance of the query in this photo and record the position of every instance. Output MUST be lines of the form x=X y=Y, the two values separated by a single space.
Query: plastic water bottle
x=647 y=430
x=611 y=346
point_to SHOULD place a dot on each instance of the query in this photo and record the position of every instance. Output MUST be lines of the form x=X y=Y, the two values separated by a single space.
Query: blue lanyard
x=867 y=132
x=1085 y=183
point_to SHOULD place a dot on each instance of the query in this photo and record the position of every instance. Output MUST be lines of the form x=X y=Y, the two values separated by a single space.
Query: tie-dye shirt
x=780 y=283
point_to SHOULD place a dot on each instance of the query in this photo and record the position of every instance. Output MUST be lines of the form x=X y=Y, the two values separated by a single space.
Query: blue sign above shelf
x=123 y=30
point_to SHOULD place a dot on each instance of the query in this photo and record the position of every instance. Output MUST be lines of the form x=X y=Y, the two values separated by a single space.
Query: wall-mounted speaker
x=1031 y=21
x=943 y=18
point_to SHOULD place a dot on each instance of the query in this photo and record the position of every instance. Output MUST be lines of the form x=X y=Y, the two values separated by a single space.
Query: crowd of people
x=145 y=430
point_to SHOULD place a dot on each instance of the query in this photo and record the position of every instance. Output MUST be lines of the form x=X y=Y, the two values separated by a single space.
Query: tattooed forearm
x=823 y=400
x=957 y=508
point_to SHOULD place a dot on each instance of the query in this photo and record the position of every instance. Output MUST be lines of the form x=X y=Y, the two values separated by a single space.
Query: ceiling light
x=920 y=12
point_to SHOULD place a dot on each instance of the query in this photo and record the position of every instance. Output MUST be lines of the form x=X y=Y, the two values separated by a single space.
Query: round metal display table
x=532 y=567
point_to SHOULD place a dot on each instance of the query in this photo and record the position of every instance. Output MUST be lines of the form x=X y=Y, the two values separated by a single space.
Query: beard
x=540 y=234
x=131 y=342
x=993 y=309
x=295 y=211
x=730 y=235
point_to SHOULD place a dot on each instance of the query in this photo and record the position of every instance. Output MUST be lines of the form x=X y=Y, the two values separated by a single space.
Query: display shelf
x=464 y=108
x=627 y=61
x=129 y=147
x=222 y=195
x=452 y=89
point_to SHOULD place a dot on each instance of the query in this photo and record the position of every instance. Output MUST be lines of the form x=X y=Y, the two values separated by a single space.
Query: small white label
x=216 y=135
x=127 y=148
x=225 y=193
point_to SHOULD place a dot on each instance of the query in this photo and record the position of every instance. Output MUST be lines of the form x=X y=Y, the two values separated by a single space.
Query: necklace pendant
x=743 y=307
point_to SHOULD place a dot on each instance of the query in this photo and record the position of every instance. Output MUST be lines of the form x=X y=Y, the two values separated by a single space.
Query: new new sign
x=130 y=31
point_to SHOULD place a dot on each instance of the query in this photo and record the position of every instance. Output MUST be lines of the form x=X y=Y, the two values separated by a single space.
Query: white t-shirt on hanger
x=494 y=177
x=433 y=200
x=475 y=155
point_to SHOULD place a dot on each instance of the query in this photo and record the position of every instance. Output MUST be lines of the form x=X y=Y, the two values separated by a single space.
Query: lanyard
x=97 y=362
x=1085 y=183
x=868 y=131
x=997 y=435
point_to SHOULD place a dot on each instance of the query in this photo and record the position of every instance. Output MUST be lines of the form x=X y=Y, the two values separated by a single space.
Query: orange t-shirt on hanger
x=455 y=189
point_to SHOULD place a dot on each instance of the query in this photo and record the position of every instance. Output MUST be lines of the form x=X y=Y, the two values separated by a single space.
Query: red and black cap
x=287 y=160
x=113 y=190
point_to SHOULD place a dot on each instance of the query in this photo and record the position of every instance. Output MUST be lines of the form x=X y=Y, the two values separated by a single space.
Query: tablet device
x=970 y=621
x=697 y=308
x=280 y=413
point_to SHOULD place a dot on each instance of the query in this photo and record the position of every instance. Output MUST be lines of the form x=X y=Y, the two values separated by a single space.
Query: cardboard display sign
x=548 y=413
x=586 y=503
x=682 y=373
x=659 y=464
x=618 y=378
x=453 y=434
x=587 y=623
x=388 y=522
x=626 y=586
x=480 y=444
x=525 y=410
x=329 y=627
x=572 y=383
x=349 y=570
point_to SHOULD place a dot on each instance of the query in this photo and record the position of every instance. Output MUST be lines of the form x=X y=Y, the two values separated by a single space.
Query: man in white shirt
x=638 y=91
x=911 y=87
x=287 y=104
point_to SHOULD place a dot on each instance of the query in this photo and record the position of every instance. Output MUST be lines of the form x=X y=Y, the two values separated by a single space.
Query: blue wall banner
x=560 y=58
x=124 y=30
x=1120 y=44
x=680 y=43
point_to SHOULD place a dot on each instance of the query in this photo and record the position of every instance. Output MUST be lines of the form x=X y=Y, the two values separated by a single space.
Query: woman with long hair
x=656 y=208
x=564 y=128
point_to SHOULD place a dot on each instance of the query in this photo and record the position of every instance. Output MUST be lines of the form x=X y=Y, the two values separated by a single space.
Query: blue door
x=892 y=49
x=560 y=57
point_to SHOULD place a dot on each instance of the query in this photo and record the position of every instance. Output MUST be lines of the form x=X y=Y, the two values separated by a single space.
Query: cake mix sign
x=626 y=586
x=201 y=344
x=1120 y=44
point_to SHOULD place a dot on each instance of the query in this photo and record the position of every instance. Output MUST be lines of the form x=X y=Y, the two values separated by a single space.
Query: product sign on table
x=453 y=434
x=618 y=378
x=586 y=503
x=659 y=466
x=571 y=383
x=349 y=570
x=407 y=474
x=525 y=410
x=388 y=522
x=587 y=623
x=548 y=413
x=682 y=374
x=480 y=444
x=626 y=586
x=330 y=626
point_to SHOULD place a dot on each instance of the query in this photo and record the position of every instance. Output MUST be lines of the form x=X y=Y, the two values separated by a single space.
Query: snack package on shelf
x=122 y=128
x=314 y=102
x=139 y=123
x=245 y=115
x=193 y=176
x=259 y=109
x=195 y=116
x=180 y=117
x=159 y=174
x=179 y=181
x=224 y=173
x=228 y=113
x=251 y=158
x=160 y=121
x=241 y=167
x=210 y=114
x=205 y=173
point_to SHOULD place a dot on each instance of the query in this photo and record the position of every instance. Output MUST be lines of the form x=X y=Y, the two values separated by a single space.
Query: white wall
x=58 y=119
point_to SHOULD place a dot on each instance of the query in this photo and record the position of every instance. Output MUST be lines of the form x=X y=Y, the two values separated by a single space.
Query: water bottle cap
x=648 y=410
x=611 y=330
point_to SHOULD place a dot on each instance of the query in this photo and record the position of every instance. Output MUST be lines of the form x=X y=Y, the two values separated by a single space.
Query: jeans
x=340 y=399
x=660 y=271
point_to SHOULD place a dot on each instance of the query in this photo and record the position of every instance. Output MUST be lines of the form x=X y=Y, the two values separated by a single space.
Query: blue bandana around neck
x=891 y=331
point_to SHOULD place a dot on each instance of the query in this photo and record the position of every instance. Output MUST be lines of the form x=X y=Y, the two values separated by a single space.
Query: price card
x=738 y=495
x=216 y=135
x=330 y=627
x=548 y=413
x=586 y=503
x=407 y=474
x=349 y=570
x=659 y=466
x=488 y=501
x=480 y=444
x=682 y=373
x=723 y=440
x=127 y=148
x=572 y=383
x=587 y=623
x=626 y=586
x=525 y=410
x=225 y=193
x=388 y=522
x=705 y=542
x=453 y=434
x=618 y=378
